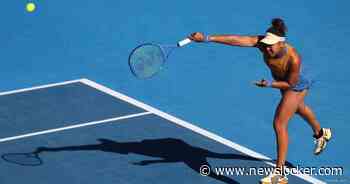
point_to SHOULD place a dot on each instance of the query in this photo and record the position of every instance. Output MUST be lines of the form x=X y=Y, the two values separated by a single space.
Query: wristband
x=206 y=40
x=269 y=83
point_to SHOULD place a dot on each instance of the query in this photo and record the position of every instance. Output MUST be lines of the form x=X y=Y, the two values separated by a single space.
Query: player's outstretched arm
x=234 y=40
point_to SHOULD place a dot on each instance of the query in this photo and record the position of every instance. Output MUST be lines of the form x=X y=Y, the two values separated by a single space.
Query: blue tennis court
x=209 y=112
x=89 y=133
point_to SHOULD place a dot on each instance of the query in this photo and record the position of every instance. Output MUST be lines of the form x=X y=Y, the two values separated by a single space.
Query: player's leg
x=322 y=135
x=306 y=113
x=284 y=111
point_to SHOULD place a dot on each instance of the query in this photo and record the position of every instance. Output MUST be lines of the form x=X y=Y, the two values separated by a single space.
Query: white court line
x=192 y=127
x=40 y=87
x=73 y=126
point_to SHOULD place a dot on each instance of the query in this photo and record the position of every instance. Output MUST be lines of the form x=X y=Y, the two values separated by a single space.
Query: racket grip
x=184 y=42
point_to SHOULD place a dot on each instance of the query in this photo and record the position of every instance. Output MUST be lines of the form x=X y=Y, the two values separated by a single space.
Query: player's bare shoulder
x=293 y=53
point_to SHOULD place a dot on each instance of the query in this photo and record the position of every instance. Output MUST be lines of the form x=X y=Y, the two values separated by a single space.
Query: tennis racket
x=148 y=59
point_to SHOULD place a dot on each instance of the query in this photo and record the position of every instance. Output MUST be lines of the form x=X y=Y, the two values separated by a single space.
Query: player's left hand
x=262 y=83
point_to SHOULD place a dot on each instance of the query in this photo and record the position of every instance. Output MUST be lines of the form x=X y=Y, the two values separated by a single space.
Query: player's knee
x=279 y=126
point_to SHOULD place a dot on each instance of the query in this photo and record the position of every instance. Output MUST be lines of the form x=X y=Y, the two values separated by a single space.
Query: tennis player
x=284 y=63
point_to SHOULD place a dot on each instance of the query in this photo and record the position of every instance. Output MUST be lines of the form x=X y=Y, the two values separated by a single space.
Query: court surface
x=90 y=133
x=208 y=85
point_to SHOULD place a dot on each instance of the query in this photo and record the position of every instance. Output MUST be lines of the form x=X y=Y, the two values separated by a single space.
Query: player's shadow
x=168 y=150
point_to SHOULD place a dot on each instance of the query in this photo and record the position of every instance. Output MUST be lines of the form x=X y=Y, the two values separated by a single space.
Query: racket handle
x=184 y=42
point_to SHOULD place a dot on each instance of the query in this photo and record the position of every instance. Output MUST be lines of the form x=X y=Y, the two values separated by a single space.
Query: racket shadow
x=23 y=159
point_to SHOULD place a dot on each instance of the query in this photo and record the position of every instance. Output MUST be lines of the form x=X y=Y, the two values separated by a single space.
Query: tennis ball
x=30 y=7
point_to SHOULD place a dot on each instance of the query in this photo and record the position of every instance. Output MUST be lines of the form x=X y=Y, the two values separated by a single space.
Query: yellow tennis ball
x=30 y=7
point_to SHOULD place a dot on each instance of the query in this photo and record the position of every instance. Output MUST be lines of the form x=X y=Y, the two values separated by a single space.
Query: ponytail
x=278 y=27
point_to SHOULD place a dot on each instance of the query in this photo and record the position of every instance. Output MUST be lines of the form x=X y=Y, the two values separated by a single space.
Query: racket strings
x=146 y=60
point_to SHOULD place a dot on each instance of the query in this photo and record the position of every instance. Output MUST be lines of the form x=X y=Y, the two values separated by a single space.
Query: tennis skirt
x=303 y=83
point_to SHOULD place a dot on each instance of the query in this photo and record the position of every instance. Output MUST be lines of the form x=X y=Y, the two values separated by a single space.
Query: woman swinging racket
x=285 y=65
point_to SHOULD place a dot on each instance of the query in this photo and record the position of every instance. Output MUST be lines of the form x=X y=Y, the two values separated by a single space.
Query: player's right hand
x=197 y=37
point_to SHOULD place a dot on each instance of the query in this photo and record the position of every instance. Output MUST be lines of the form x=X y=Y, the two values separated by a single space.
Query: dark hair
x=278 y=27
